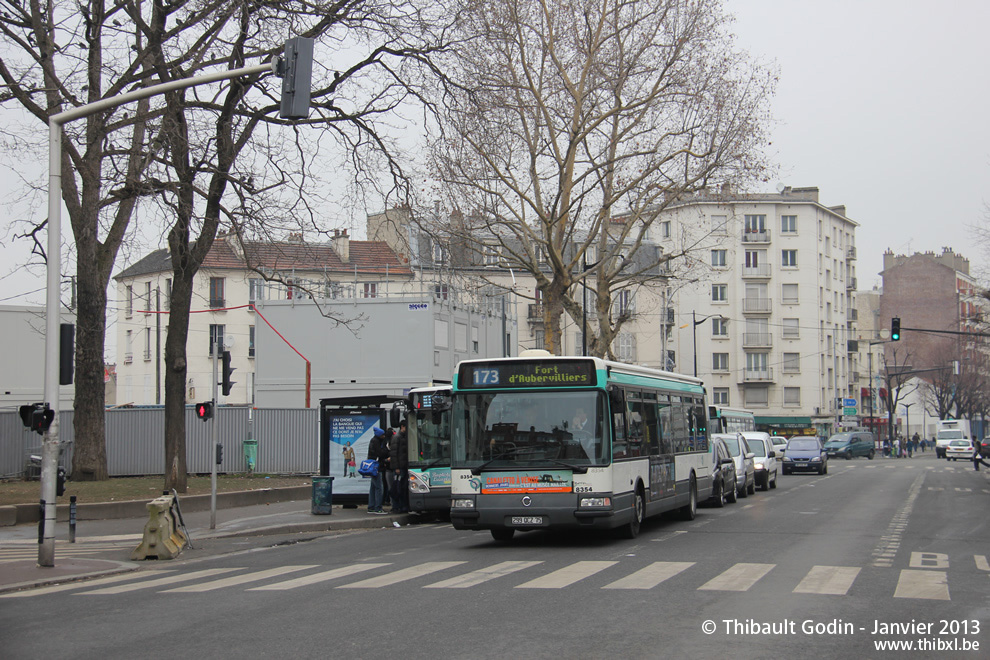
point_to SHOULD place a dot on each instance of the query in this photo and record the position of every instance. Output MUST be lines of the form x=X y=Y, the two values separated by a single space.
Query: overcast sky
x=881 y=104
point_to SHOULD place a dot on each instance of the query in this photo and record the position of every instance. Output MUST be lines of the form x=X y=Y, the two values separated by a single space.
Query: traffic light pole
x=217 y=347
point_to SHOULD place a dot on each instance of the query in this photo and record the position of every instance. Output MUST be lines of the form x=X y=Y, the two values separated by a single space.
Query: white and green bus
x=428 y=431
x=723 y=419
x=541 y=442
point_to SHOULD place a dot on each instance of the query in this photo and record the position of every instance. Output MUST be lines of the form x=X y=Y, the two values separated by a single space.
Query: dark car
x=805 y=453
x=852 y=444
x=723 y=473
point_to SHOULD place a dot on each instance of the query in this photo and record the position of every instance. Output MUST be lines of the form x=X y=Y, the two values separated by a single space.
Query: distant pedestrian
x=348 y=459
x=978 y=455
x=897 y=447
x=388 y=478
x=400 y=468
x=377 y=451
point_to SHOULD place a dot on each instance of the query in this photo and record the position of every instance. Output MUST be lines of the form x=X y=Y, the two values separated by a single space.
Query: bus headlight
x=418 y=483
x=461 y=504
x=595 y=502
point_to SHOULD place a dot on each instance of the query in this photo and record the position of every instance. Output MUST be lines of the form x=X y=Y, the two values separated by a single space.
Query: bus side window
x=651 y=424
x=619 y=449
x=666 y=424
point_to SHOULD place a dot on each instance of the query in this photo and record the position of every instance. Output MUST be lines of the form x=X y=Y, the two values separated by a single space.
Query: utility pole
x=214 y=432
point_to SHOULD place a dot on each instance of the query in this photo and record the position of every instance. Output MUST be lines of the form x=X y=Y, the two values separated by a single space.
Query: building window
x=720 y=396
x=757 y=396
x=625 y=303
x=168 y=294
x=665 y=229
x=256 y=290
x=789 y=294
x=250 y=341
x=718 y=258
x=788 y=224
x=440 y=291
x=720 y=361
x=216 y=336
x=540 y=338
x=147 y=344
x=792 y=396
x=437 y=252
x=756 y=224
x=129 y=301
x=128 y=347
x=147 y=298
x=720 y=327
x=370 y=290
x=720 y=224
x=475 y=342
x=792 y=363
x=216 y=292
x=788 y=258
x=720 y=292
x=626 y=347
x=791 y=329
x=490 y=255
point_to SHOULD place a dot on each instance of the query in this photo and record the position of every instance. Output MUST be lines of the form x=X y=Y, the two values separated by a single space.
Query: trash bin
x=251 y=453
x=322 y=496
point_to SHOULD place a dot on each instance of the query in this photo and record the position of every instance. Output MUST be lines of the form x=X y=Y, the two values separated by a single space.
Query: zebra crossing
x=12 y=551
x=925 y=579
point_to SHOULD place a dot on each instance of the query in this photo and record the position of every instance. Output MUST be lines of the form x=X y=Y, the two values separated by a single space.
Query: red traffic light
x=204 y=410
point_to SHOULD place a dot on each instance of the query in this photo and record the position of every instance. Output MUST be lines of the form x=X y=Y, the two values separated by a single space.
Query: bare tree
x=895 y=374
x=579 y=123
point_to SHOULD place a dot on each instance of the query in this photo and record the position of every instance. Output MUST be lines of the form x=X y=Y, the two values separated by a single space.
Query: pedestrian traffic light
x=37 y=416
x=895 y=329
x=60 y=482
x=296 y=70
x=204 y=410
x=226 y=384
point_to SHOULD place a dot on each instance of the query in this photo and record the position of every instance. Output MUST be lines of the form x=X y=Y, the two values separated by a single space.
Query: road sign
x=849 y=411
x=848 y=425
x=850 y=418
x=849 y=402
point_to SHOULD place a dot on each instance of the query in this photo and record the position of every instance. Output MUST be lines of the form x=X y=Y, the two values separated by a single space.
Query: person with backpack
x=400 y=467
x=378 y=452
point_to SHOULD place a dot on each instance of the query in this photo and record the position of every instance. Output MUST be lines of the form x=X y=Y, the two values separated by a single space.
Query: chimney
x=342 y=245
x=295 y=237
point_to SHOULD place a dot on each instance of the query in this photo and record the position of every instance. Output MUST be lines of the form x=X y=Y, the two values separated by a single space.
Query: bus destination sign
x=524 y=373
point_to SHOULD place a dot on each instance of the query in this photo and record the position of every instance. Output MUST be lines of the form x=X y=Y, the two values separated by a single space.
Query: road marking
x=929 y=560
x=316 y=578
x=402 y=575
x=82 y=584
x=651 y=576
x=239 y=579
x=964 y=490
x=928 y=585
x=890 y=542
x=149 y=584
x=738 y=578
x=568 y=575
x=482 y=575
x=832 y=580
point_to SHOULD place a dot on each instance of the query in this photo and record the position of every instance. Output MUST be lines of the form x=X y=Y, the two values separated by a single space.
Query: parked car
x=764 y=458
x=851 y=444
x=957 y=449
x=743 y=458
x=723 y=473
x=805 y=452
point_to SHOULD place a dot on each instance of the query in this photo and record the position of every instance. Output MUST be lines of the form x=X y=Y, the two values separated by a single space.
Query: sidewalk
x=118 y=537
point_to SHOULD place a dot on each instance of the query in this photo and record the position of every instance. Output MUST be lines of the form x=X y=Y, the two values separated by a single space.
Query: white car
x=744 y=460
x=957 y=449
x=764 y=458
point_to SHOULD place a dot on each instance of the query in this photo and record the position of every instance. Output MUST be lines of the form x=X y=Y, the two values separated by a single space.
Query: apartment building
x=228 y=293
x=767 y=307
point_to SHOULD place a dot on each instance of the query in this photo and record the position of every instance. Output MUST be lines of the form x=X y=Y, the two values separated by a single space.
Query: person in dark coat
x=378 y=451
x=400 y=468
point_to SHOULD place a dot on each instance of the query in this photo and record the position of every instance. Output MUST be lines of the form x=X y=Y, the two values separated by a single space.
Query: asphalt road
x=824 y=566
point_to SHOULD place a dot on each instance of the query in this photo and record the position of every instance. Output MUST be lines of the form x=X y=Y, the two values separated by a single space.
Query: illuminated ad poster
x=355 y=431
x=550 y=481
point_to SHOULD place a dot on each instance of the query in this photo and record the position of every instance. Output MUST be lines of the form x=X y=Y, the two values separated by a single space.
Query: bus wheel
x=503 y=533
x=631 y=529
x=690 y=510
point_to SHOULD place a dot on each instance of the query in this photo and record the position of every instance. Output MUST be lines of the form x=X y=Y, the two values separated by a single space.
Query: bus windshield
x=429 y=438
x=514 y=430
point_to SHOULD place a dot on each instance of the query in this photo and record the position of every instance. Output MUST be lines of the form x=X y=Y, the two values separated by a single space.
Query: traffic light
x=895 y=329
x=60 y=482
x=204 y=410
x=226 y=384
x=296 y=70
x=37 y=416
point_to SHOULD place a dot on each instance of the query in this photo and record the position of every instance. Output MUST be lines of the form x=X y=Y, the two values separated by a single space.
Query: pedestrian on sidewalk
x=388 y=478
x=400 y=465
x=978 y=455
x=377 y=451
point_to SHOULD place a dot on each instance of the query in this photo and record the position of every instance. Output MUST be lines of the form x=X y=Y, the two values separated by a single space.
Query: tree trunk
x=175 y=383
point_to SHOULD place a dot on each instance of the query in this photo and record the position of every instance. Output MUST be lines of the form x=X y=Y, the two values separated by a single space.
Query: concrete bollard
x=162 y=538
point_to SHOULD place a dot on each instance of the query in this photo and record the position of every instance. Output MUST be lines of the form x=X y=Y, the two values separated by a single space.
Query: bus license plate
x=527 y=520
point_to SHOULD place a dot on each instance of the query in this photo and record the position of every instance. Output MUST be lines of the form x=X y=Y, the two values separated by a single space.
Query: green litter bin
x=251 y=454
x=322 y=496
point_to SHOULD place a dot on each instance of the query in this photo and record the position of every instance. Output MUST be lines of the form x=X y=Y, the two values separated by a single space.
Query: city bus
x=545 y=442
x=722 y=419
x=428 y=430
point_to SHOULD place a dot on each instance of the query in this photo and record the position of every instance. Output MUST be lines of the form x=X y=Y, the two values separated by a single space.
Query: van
x=851 y=444
x=949 y=430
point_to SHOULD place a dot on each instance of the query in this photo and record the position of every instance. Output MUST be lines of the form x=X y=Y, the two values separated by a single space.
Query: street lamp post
x=585 y=267
x=695 y=322
x=907 y=413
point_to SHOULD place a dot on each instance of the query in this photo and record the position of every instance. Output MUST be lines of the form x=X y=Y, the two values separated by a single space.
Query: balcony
x=756 y=305
x=851 y=283
x=756 y=236
x=758 y=375
x=535 y=314
x=851 y=252
x=757 y=340
x=763 y=270
x=216 y=303
x=852 y=345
